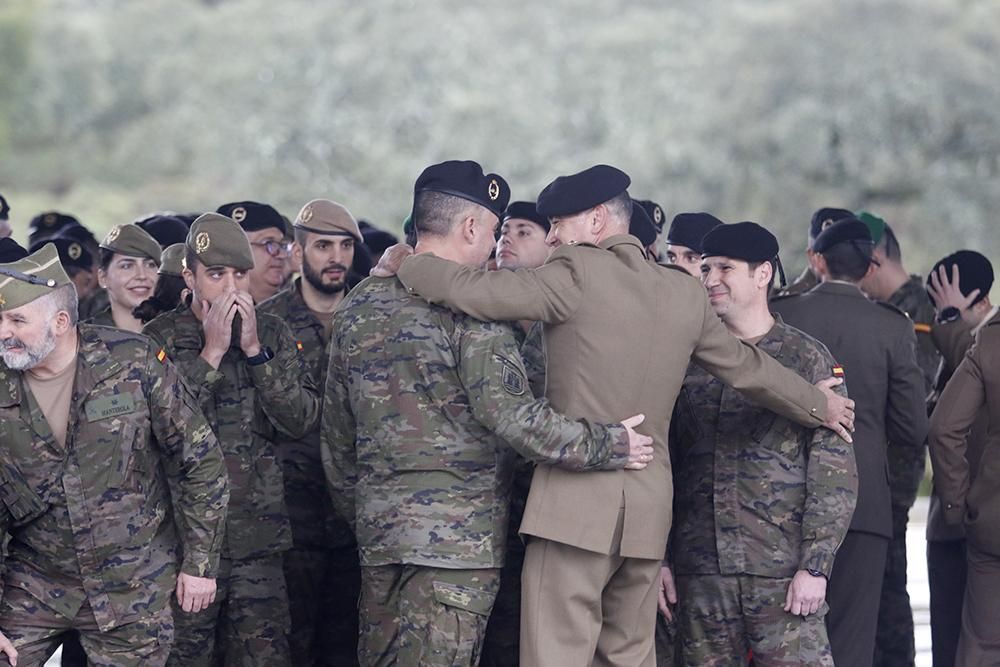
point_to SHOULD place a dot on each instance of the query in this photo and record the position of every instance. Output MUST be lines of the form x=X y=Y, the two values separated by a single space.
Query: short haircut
x=620 y=206
x=845 y=261
x=190 y=259
x=435 y=213
x=890 y=245
x=63 y=298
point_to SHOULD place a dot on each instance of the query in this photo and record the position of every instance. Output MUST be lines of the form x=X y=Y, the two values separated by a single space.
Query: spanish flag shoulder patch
x=838 y=371
x=161 y=356
x=298 y=345
x=920 y=327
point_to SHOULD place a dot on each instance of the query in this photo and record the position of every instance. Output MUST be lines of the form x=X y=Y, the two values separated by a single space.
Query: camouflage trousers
x=323 y=590
x=894 y=642
x=36 y=631
x=424 y=616
x=246 y=625
x=721 y=618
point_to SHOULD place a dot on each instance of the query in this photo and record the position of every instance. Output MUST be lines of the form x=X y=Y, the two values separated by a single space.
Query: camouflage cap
x=322 y=216
x=132 y=241
x=219 y=241
x=36 y=275
x=172 y=260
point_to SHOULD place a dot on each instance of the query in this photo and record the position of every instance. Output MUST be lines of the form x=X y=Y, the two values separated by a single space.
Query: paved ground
x=916 y=582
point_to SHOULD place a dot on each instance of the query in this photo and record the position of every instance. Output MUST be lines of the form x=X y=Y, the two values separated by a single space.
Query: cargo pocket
x=455 y=636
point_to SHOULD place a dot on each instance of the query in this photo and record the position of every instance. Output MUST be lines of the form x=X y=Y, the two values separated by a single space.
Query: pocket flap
x=463 y=597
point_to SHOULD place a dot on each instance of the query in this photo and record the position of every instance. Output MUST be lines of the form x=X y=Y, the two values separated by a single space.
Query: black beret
x=72 y=253
x=641 y=226
x=378 y=240
x=579 y=192
x=825 y=217
x=11 y=251
x=654 y=211
x=974 y=272
x=4 y=209
x=166 y=228
x=188 y=218
x=526 y=210
x=77 y=233
x=688 y=229
x=846 y=230
x=253 y=216
x=465 y=179
x=48 y=224
x=741 y=240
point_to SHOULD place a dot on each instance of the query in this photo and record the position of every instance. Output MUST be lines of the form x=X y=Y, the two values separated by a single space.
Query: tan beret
x=132 y=241
x=172 y=260
x=322 y=216
x=219 y=241
x=36 y=275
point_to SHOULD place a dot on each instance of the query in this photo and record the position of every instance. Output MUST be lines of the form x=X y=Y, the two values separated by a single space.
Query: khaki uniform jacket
x=619 y=333
x=876 y=345
x=974 y=386
x=99 y=519
x=953 y=340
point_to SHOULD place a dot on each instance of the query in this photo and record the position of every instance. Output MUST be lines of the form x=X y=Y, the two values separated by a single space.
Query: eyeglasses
x=274 y=248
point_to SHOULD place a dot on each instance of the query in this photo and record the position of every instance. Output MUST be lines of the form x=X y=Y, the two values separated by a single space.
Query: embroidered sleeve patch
x=838 y=371
x=161 y=355
x=298 y=345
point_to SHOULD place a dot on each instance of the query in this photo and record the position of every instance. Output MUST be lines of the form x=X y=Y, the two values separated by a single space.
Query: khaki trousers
x=583 y=608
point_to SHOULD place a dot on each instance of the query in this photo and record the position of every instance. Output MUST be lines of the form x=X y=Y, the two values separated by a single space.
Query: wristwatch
x=949 y=314
x=265 y=355
x=816 y=573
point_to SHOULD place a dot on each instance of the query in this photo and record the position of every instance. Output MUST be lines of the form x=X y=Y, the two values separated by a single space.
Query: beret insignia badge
x=307 y=214
x=201 y=242
x=239 y=214
x=494 y=190
x=657 y=214
x=74 y=251
x=49 y=219
x=113 y=234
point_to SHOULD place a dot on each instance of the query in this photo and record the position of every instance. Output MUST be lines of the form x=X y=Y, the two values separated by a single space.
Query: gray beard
x=30 y=356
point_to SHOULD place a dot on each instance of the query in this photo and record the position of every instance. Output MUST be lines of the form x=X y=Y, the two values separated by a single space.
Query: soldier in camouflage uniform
x=766 y=501
x=322 y=570
x=104 y=448
x=420 y=405
x=522 y=245
x=252 y=384
x=129 y=260
x=889 y=282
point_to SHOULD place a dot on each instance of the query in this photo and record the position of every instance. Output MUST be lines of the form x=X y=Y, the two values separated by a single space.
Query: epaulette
x=893 y=308
x=786 y=295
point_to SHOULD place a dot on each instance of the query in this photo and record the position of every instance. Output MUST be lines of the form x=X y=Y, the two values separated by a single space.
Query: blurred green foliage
x=751 y=109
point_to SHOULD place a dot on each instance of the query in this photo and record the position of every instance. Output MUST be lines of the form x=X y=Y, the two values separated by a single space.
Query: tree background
x=751 y=109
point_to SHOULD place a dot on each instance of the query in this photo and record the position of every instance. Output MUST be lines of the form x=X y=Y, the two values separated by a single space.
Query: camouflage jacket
x=906 y=465
x=103 y=317
x=247 y=406
x=912 y=299
x=420 y=405
x=93 y=521
x=314 y=523
x=94 y=304
x=754 y=492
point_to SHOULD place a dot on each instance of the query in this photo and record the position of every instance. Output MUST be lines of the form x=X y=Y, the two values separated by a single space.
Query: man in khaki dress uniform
x=597 y=539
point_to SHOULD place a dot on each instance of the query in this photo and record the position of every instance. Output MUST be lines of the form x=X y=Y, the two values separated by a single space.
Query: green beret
x=876 y=225
x=132 y=241
x=34 y=276
x=322 y=216
x=219 y=241
x=172 y=260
